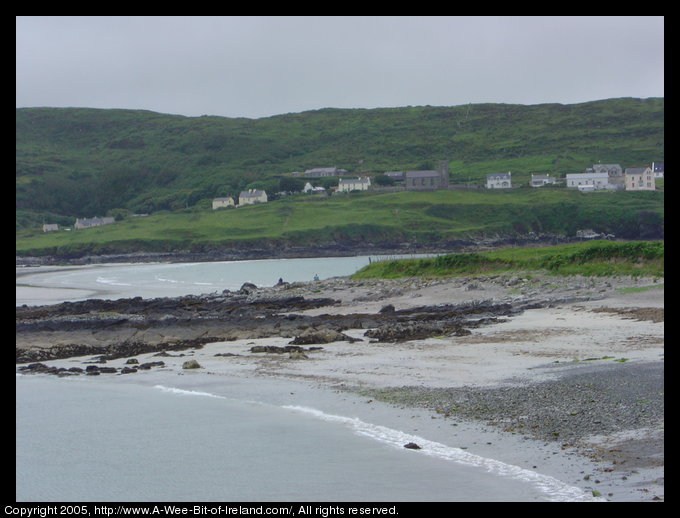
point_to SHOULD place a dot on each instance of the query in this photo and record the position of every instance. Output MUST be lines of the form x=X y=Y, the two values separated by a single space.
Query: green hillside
x=78 y=162
x=368 y=217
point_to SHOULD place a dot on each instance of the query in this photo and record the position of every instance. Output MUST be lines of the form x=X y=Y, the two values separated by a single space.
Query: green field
x=370 y=217
x=589 y=258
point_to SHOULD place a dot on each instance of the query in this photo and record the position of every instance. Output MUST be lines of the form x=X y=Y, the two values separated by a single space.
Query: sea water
x=50 y=285
x=93 y=439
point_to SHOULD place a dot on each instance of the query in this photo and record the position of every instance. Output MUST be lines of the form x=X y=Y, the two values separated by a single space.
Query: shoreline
x=276 y=250
x=584 y=332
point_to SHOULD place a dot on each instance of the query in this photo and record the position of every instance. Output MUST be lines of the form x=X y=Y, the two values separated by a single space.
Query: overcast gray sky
x=266 y=65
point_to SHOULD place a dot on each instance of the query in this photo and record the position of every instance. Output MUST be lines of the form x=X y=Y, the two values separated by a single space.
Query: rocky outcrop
x=321 y=336
x=125 y=328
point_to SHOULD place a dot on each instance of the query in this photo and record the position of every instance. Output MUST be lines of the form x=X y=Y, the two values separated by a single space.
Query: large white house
x=252 y=196
x=354 y=184
x=499 y=180
x=640 y=179
x=589 y=181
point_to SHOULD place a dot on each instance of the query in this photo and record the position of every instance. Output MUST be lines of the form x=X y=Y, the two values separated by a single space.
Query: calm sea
x=92 y=439
x=49 y=285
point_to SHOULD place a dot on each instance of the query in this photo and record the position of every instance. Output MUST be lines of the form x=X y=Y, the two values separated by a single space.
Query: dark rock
x=389 y=308
x=148 y=365
x=401 y=332
x=275 y=349
x=247 y=288
x=412 y=446
x=321 y=336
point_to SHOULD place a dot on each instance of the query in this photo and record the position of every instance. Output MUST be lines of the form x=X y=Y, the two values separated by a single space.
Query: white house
x=324 y=171
x=657 y=168
x=640 y=179
x=354 y=184
x=588 y=181
x=93 y=222
x=218 y=203
x=538 y=180
x=50 y=227
x=252 y=196
x=499 y=180
x=309 y=188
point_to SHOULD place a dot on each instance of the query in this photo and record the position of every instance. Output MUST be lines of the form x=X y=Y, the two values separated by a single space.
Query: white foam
x=162 y=279
x=187 y=392
x=554 y=489
x=112 y=282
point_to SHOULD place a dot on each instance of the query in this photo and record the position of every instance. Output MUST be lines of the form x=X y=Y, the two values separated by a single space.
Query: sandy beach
x=572 y=387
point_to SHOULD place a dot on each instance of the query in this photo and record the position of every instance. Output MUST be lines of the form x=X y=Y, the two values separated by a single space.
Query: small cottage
x=219 y=203
x=539 y=180
x=657 y=169
x=310 y=188
x=93 y=222
x=50 y=227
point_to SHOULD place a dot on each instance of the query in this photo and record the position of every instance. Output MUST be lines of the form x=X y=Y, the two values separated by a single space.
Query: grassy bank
x=370 y=217
x=644 y=258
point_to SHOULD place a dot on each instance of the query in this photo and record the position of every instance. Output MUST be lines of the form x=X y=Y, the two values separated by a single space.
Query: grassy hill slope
x=78 y=162
x=369 y=217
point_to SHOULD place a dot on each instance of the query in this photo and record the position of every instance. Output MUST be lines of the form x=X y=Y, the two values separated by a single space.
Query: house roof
x=587 y=175
x=354 y=180
x=636 y=170
x=498 y=175
x=251 y=193
x=421 y=174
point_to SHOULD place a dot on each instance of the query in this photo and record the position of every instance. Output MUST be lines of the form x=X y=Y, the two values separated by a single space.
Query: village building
x=354 y=184
x=657 y=169
x=93 y=222
x=219 y=203
x=640 y=179
x=499 y=180
x=397 y=176
x=539 y=180
x=324 y=171
x=613 y=170
x=310 y=188
x=428 y=180
x=252 y=196
x=589 y=181
x=50 y=227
